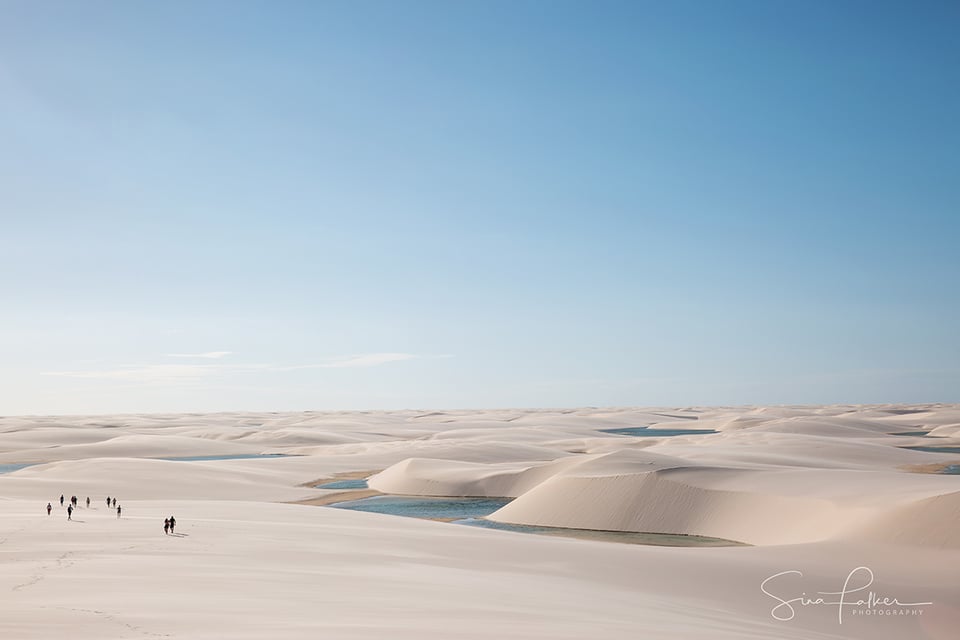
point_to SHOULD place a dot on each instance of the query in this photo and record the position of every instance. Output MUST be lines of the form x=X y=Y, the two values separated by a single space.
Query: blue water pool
x=647 y=432
x=7 y=468
x=627 y=537
x=473 y=511
x=231 y=456
x=943 y=449
x=426 y=507
x=358 y=483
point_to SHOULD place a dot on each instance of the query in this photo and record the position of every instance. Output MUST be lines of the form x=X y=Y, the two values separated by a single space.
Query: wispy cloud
x=208 y=354
x=165 y=373
x=157 y=372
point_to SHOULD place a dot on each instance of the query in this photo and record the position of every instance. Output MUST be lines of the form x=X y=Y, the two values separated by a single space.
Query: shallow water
x=951 y=470
x=472 y=512
x=7 y=468
x=647 y=432
x=357 y=483
x=627 y=537
x=232 y=456
x=911 y=433
x=942 y=449
x=426 y=507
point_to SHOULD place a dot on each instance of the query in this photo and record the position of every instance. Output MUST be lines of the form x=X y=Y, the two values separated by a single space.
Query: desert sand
x=829 y=493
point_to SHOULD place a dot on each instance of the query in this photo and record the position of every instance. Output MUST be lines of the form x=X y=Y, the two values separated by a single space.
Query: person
x=88 y=502
x=114 y=502
x=118 y=510
x=70 y=512
x=61 y=499
x=49 y=508
x=108 y=502
x=166 y=525
x=173 y=523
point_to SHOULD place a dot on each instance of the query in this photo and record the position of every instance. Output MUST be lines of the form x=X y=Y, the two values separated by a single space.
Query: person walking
x=88 y=502
x=108 y=502
x=114 y=502
x=166 y=525
x=49 y=508
x=61 y=499
x=70 y=512
x=173 y=523
x=118 y=510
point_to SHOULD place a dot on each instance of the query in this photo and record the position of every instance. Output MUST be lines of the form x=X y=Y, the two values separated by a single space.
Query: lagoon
x=647 y=432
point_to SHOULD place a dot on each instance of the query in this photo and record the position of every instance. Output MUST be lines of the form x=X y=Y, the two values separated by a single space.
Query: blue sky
x=350 y=205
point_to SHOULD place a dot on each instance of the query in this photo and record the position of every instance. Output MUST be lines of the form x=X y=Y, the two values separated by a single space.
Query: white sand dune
x=432 y=477
x=819 y=490
x=747 y=505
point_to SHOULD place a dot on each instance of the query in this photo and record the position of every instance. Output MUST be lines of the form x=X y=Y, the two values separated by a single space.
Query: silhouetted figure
x=114 y=502
x=49 y=508
x=118 y=512
x=173 y=523
x=108 y=502
x=73 y=501
x=61 y=499
x=70 y=512
x=166 y=525
x=88 y=502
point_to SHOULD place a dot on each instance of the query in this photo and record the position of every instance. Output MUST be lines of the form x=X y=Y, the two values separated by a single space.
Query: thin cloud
x=160 y=373
x=157 y=372
x=208 y=354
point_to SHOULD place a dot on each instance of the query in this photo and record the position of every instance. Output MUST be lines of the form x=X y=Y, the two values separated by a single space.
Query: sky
x=286 y=206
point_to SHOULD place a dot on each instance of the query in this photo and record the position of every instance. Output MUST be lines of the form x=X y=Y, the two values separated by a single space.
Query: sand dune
x=821 y=490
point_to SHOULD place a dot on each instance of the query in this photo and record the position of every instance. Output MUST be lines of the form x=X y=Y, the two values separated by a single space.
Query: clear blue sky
x=331 y=205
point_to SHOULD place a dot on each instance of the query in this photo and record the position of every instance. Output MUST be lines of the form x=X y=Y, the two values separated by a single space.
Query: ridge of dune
x=435 y=477
x=929 y=522
x=654 y=502
x=142 y=478
x=746 y=505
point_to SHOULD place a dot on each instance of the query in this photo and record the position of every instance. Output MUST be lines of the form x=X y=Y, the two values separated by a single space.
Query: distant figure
x=73 y=501
x=114 y=502
x=88 y=502
x=49 y=508
x=173 y=523
x=166 y=525
x=108 y=502
x=118 y=510
x=70 y=512
x=61 y=499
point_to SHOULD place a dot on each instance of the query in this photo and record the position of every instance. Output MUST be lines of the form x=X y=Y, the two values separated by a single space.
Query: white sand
x=822 y=490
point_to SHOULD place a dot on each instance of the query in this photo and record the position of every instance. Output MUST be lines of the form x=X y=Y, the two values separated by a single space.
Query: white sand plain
x=819 y=490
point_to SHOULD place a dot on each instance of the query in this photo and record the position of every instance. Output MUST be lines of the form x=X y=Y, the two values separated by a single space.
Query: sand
x=818 y=490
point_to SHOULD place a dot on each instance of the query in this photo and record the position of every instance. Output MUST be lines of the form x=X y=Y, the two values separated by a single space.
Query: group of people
x=168 y=523
x=111 y=502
